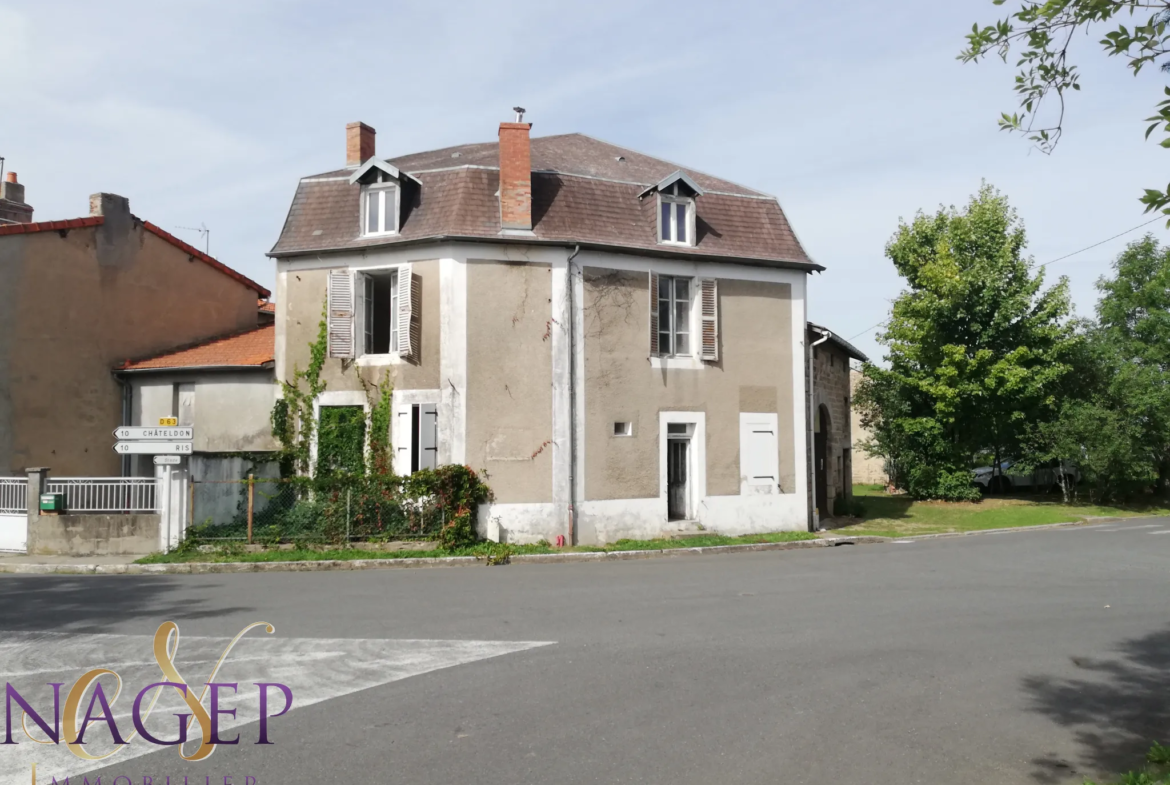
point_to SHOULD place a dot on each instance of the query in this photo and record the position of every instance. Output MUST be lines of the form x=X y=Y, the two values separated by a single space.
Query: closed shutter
x=709 y=348
x=406 y=302
x=402 y=437
x=759 y=454
x=340 y=309
x=428 y=436
x=653 y=314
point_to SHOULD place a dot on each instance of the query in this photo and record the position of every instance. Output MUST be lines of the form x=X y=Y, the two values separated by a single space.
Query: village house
x=617 y=342
x=84 y=296
x=832 y=423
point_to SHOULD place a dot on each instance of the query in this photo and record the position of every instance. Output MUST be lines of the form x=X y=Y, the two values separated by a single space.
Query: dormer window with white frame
x=380 y=207
x=381 y=197
x=676 y=218
x=676 y=209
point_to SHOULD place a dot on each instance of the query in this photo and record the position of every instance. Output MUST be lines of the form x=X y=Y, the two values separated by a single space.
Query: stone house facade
x=867 y=469
x=616 y=342
x=831 y=440
x=81 y=296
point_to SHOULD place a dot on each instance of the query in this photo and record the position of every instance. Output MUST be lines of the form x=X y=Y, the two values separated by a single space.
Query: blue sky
x=853 y=113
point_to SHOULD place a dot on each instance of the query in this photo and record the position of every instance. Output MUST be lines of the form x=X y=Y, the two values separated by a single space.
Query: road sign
x=167 y=460
x=168 y=421
x=132 y=434
x=153 y=448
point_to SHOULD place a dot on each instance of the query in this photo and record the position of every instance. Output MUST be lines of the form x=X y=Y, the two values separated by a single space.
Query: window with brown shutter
x=654 y=349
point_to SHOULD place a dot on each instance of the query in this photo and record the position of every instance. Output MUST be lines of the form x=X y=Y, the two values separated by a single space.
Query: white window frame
x=388 y=208
x=367 y=359
x=673 y=197
x=403 y=403
x=697 y=490
x=690 y=360
x=748 y=423
x=337 y=398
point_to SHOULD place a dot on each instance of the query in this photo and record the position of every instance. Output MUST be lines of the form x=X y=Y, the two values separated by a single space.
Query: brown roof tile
x=251 y=349
x=582 y=193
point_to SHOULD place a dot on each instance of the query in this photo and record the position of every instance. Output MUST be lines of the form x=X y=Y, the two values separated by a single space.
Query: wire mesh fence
x=271 y=511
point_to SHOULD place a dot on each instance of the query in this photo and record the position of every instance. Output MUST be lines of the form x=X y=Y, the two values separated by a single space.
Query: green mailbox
x=53 y=502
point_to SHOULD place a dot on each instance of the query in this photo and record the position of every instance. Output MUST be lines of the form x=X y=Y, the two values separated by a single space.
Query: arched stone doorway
x=821 y=430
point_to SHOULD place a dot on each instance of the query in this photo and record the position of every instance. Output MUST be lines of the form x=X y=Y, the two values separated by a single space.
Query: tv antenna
x=204 y=234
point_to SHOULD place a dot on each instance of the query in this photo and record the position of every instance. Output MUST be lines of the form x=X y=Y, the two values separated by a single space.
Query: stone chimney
x=12 y=206
x=515 y=176
x=109 y=205
x=359 y=144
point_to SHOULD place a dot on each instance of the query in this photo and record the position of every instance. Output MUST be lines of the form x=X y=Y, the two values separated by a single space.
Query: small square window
x=623 y=429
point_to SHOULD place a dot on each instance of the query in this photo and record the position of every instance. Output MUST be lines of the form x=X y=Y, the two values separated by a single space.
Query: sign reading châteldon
x=138 y=433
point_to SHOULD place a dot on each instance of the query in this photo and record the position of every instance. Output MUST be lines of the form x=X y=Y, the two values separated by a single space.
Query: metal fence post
x=348 y=516
x=251 y=497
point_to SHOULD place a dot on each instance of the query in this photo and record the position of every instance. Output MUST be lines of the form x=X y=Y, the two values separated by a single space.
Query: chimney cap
x=10 y=177
x=519 y=110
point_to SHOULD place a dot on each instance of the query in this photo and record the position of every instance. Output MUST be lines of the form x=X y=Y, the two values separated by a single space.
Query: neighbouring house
x=616 y=342
x=831 y=405
x=79 y=297
x=867 y=469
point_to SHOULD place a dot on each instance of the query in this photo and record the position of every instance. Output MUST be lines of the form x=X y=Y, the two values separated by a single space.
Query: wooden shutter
x=653 y=314
x=428 y=436
x=709 y=348
x=340 y=309
x=415 y=317
x=405 y=309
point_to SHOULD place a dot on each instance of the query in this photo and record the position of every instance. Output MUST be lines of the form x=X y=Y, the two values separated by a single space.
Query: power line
x=1094 y=245
x=1054 y=261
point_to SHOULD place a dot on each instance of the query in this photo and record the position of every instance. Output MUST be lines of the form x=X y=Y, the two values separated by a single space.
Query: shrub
x=928 y=482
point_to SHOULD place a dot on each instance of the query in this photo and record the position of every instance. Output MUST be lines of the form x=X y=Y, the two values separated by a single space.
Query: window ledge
x=678 y=363
x=675 y=244
x=379 y=234
x=379 y=360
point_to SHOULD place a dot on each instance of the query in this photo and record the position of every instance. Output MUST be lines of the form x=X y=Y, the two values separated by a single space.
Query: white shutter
x=759 y=453
x=363 y=287
x=340 y=314
x=709 y=344
x=653 y=314
x=405 y=310
x=401 y=436
x=428 y=436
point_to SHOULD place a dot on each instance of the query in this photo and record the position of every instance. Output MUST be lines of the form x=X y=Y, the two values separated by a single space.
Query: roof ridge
x=194 y=345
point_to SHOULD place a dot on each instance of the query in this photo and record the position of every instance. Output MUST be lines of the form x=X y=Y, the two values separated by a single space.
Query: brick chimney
x=359 y=144
x=12 y=206
x=515 y=176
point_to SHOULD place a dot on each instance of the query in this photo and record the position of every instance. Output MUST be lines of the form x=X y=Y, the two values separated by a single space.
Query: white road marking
x=1134 y=528
x=903 y=542
x=315 y=669
x=1164 y=531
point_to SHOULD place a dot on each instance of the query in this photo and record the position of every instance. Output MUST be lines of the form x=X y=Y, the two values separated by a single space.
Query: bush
x=928 y=482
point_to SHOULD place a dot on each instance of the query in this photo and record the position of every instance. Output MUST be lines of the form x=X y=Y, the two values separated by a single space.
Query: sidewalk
x=25 y=558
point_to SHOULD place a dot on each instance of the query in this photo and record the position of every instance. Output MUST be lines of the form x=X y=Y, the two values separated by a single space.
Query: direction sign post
x=153 y=448
x=168 y=460
x=129 y=433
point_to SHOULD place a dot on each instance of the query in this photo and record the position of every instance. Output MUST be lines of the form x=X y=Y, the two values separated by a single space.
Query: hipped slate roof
x=98 y=220
x=251 y=349
x=583 y=191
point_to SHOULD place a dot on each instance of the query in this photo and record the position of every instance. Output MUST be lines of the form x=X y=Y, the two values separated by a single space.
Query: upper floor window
x=380 y=312
x=374 y=312
x=674 y=316
x=379 y=208
x=676 y=217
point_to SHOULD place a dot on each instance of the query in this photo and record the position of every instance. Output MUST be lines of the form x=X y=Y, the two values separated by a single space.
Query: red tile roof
x=265 y=306
x=97 y=220
x=251 y=349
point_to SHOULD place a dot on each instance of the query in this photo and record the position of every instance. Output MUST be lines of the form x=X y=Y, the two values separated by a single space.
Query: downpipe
x=571 y=539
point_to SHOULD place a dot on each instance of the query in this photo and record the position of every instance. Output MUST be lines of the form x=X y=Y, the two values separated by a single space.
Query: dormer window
x=676 y=208
x=380 y=207
x=381 y=198
x=676 y=217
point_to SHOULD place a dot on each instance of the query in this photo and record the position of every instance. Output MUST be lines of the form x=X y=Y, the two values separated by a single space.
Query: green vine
x=381 y=399
x=293 y=424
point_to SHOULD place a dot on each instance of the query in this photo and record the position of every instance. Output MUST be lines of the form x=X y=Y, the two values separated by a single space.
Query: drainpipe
x=127 y=401
x=812 y=412
x=572 y=539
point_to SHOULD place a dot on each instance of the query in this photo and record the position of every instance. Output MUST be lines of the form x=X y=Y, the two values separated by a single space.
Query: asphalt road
x=1034 y=657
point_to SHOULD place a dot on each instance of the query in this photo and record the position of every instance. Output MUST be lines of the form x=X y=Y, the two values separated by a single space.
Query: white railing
x=105 y=494
x=13 y=495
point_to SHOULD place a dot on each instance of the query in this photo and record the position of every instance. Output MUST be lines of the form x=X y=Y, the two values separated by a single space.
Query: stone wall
x=867 y=470
x=93 y=535
x=831 y=390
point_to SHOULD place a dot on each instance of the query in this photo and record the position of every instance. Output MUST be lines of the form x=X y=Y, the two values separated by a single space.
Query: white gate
x=14 y=514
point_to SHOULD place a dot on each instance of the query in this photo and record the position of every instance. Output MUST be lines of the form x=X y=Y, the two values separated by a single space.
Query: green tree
x=977 y=348
x=1044 y=31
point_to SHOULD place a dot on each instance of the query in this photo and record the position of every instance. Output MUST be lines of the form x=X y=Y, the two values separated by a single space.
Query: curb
x=208 y=568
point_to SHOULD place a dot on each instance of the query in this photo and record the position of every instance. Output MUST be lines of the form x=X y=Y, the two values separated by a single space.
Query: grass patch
x=1156 y=771
x=483 y=550
x=900 y=516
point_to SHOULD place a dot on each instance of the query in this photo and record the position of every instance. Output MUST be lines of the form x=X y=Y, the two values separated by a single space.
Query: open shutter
x=428 y=436
x=415 y=317
x=405 y=310
x=709 y=350
x=653 y=314
x=340 y=310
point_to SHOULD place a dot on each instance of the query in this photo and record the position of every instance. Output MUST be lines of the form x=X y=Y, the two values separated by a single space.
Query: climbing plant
x=293 y=423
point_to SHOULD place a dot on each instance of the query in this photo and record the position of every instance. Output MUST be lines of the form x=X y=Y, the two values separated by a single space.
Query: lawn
x=235 y=554
x=899 y=516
